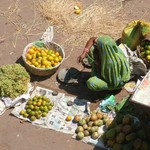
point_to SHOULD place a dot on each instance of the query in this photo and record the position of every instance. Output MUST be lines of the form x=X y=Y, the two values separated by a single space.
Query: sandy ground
x=15 y=135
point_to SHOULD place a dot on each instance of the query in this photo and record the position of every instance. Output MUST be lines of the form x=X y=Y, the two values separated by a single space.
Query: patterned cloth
x=114 y=67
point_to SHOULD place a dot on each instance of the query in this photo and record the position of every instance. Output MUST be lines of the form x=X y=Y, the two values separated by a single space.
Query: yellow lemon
x=68 y=118
x=77 y=11
x=148 y=57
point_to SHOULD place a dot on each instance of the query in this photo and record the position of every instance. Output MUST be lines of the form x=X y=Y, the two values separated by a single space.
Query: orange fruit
x=60 y=58
x=57 y=53
x=31 y=51
x=29 y=56
x=50 y=58
x=68 y=118
x=56 y=59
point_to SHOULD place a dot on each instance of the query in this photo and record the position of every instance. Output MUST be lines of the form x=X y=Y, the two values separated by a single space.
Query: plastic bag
x=107 y=104
x=134 y=32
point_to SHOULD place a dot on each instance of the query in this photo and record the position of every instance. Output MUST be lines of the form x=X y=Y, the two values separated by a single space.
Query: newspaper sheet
x=55 y=119
x=142 y=93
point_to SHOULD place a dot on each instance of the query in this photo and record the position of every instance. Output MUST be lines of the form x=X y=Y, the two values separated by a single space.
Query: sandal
x=69 y=75
x=86 y=63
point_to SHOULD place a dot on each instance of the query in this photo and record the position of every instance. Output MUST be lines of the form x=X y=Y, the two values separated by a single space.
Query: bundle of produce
x=89 y=125
x=134 y=32
x=43 y=58
x=144 y=51
x=126 y=133
x=37 y=107
x=14 y=80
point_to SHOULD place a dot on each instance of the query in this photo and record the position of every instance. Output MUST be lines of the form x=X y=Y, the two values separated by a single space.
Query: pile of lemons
x=37 y=107
x=145 y=49
x=43 y=58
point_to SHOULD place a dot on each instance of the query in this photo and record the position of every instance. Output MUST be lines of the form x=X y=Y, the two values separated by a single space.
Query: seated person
x=110 y=68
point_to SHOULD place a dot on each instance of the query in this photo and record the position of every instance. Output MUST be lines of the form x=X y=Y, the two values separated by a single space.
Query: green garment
x=114 y=67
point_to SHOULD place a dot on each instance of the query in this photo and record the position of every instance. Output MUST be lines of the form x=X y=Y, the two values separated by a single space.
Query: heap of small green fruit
x=145 y=49
x=37 y=107
x=125 y=134
x=89 y=125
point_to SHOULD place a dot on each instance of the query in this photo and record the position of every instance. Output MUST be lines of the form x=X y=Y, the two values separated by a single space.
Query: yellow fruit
x=29 y=62
x=25 y=115
x=31 y=107
x=28 y=56
x=31 y=113
x=56 y=59
x=68 y=118
x=142 y=49
x=32 y=118
x=28 y=110
x=148 y=57
x=77 y=11
x=60 y=58
x=50 y=58
x=44 y=114
x=36 y=108
x=77 y=118
x=147 y=52
x=31 y=51
x=49 y=107
x=38 y=116
x=143 y=54
x=57 y=53
x=22 y=112
x=39 y=103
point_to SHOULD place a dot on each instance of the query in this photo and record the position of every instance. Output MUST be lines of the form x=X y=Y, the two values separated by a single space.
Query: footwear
x=69 y=75
x=86 y=63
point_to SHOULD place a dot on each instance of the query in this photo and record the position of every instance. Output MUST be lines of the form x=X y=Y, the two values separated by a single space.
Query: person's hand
x=81 y=57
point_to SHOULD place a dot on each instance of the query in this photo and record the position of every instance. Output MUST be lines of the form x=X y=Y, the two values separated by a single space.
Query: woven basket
x=43 y=71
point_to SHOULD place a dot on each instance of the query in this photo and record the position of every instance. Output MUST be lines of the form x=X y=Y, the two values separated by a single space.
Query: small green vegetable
x=14 y=80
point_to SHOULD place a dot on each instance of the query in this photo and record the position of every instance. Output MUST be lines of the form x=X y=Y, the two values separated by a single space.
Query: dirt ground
x=15 y=135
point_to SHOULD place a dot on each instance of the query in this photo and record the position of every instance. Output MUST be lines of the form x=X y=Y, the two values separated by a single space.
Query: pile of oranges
x=37 y=107
x=42 y=58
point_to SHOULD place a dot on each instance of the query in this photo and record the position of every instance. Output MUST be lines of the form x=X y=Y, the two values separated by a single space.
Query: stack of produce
x=124 y=133
x=43 y=58
x=37 y=107
x=14 y=80
x=89 y=125
x=145 y=50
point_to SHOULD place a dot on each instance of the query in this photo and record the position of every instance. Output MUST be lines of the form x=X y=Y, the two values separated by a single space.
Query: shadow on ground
x=82 y=92
x=33 y=77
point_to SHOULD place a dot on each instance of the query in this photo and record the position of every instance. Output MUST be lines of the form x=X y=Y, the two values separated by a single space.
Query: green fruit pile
x=37 y=107
x=125 y=134
x=89 y=125
x=145 y=49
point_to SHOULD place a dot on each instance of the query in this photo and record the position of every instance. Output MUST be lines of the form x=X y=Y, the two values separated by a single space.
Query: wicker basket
x=43 y=71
